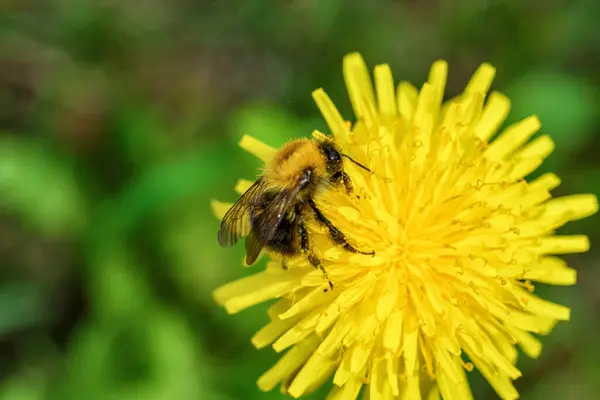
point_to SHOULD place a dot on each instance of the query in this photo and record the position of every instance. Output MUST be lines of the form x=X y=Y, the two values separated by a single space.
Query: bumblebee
x=273 y=212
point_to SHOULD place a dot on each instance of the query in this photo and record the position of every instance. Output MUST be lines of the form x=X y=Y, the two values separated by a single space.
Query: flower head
x=460 y=236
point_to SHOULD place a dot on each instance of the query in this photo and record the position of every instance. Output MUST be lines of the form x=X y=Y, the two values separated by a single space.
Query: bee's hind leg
x=334 y=233
x=305 y=248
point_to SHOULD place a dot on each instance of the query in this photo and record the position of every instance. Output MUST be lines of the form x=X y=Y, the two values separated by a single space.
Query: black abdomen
x=284 y=241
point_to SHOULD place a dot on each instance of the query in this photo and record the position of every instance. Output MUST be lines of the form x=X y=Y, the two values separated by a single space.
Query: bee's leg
x=342 y=177
x=336 y=236
x=304 y=246
x=284 y=264
x=347 y=182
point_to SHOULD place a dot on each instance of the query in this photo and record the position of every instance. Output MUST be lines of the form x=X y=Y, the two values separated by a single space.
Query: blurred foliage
x=119 y=122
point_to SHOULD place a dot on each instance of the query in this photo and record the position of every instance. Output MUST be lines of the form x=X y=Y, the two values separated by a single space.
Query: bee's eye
x=333 y=155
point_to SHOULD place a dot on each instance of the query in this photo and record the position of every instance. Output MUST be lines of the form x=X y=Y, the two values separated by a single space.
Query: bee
x=274 y=211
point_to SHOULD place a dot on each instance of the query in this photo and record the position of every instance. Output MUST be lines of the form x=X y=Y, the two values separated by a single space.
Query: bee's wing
x=237 y=221
x=275 y=212
x=253 y=248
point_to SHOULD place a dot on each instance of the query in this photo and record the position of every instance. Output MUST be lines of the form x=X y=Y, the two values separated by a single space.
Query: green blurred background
x=119 y=122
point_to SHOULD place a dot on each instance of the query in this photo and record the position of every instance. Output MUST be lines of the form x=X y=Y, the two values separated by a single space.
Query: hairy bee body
x=272 y=213
x=293 y=160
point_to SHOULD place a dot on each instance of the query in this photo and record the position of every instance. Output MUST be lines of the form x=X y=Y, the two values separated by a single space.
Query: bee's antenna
x=357 y=163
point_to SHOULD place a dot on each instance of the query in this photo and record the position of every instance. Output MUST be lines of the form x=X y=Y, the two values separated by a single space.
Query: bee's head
x=332 y=156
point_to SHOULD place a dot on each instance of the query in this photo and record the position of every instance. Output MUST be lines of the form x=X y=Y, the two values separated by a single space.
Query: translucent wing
x=237 y=222
x=253 y=248
x=276 y=210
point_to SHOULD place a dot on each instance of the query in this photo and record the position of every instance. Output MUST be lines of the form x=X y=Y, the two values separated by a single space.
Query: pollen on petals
x=461 y=236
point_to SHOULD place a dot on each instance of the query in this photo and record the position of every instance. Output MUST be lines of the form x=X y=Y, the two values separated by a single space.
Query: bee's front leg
x=341 y=177
x=334 y=233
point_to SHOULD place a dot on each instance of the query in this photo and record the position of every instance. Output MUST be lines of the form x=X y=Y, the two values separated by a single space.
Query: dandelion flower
x=460 y=236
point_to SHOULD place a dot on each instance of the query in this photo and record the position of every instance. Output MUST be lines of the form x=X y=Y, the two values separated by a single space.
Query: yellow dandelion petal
x=494 y=113
x=540 y=147
x=316 y=370
x=332 y=115
x=407 y=96
x=437 y=78
x=513 y=138
x=288 y=364
x=239 y=295
x=461 y=237
x=270 y=332
x=386 y=98
x=242 y=185
x=358 y=82
x=219 y=208
x=257 y=148
x=481 y=80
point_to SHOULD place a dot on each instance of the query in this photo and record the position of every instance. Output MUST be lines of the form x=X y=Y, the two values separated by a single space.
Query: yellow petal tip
x=257 y=148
